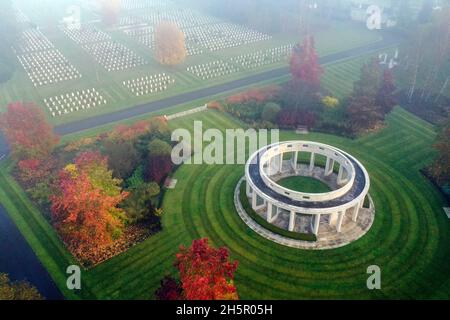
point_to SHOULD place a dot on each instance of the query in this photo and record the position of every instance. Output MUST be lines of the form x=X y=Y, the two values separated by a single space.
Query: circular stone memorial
x=336 y=208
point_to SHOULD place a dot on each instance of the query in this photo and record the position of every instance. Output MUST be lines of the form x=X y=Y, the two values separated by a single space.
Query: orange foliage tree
x=110 y=10
x=85 y=207
x=170 y=44
x=131 y=132
x=206 y=273
x=28 y=132
x=254 y=94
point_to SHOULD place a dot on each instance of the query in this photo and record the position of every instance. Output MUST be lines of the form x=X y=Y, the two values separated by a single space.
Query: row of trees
x=424 y=68
x=205 y=274
x=303 y=102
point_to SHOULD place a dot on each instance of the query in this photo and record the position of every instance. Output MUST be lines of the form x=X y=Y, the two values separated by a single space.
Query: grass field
x=304 y=184
x=409 y=238
x=331 y=38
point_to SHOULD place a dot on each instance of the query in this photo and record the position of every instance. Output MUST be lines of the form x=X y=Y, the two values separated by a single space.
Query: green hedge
x=263 y=223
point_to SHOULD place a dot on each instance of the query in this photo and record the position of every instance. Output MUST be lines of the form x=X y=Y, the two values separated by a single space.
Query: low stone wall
x=186 y=113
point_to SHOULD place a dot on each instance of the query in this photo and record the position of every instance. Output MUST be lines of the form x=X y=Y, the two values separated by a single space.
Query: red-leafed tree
x=85 y=207
x=32 y=170
x=170 y=289
x=28 y=132
x=441 y=166
x=160 y=161
x=291 y=118
x=206 y=273
x=364 y=113
x=305 y=67
x=386 y=94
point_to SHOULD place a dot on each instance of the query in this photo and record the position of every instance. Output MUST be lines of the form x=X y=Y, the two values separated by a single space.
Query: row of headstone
x=86 y=34
x=47 y=67
x=149 y=84
x=32 y=40
x=143 y=4
x=212 y=69
x=114 y=56
x=185 y=18
x=74 y=101
x=19 y=15
x=223 y=35
x=261 y=58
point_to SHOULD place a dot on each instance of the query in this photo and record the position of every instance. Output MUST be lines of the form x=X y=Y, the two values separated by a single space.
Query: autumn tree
x=170 y=45
x=305 y=67
x=291 y=118
x=364 y=113
x=28 y=132
x=441 y=166
x=364 y=107
x=20 y=290
x=85 y=205
x=368 y=83
x=110 y=10
x=302 y=92
x=270 y=111
x=386 y=97
x=160 y=161
x=139 y=206
x=123 y=158
x=206 y=273
x=169 y=289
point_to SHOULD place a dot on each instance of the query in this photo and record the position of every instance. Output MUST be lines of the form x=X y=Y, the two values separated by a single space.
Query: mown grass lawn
x=409 y=239
x=304 y=184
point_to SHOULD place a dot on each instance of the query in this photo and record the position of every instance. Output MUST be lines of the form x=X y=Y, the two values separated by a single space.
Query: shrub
x=255 y=94
x=291 y=118
x=215 y=105
x=330 y=102
x=270 y=111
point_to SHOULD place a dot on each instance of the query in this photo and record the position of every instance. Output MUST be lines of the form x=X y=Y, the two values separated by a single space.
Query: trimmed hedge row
x=263 y=223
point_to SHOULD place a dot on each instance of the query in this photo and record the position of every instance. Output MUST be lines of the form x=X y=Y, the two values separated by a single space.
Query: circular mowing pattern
x=336 y=218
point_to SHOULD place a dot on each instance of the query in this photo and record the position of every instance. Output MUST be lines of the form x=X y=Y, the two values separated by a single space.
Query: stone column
x=292 y=221
x=311 y=162
x=248 y=189
x=339 y=221
x=274 y=216
x=254 y=200
x=281 y=163
x=329 y=167
x=316 y=224
x=340 y=174
x=356 y=210
x=269 y=212
x=333 y=219
x=294 y=160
